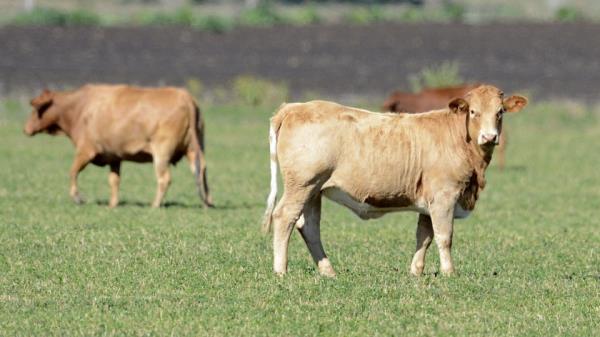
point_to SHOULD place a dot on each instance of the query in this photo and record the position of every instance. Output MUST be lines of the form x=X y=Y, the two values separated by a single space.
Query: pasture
x=528 y=258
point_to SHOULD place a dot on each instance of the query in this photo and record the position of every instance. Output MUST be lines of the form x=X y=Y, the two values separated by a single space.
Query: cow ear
x=514 y=103
x=458 y=105
x=43 y=100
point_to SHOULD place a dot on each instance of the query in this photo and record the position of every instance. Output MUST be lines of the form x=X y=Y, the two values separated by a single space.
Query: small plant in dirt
x=182 y=17
x=195 y=87
x=185 y=17
x=44 y=16
x=144 y=2
x=453 y=11
x=436 y=76
x=568 y=14
x=254 y=91
x=307 y=15
x=262 y=15
x=365 y=15
x=413 y=14
x=213 y=23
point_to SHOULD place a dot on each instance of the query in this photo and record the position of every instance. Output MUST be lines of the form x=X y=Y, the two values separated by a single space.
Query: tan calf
x=431 y=163
x=111 y=123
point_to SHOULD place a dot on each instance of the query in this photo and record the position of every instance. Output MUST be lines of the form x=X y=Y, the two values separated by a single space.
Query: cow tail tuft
x=272 y=198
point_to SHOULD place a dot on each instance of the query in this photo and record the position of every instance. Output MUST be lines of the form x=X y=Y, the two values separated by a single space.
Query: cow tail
x=198 y=136
x=274 y=126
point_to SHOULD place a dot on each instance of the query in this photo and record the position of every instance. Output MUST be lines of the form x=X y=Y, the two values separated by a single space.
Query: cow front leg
x=424 y=238
x=309 y=226
x=114 y=178
x=79 y=163
x=442 y=218
x=163 y=178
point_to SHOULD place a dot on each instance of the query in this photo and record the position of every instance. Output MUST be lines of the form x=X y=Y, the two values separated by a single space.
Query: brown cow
x=372 y=163
x=436 y=98
x=111 y=123
x=426 y=100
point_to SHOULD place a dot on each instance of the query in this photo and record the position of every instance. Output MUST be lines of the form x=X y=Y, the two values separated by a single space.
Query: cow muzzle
x=28 y=131
x=488 y=138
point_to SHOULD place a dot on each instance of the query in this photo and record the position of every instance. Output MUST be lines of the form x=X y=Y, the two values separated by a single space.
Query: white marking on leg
x=325 y=268
x=300 y=222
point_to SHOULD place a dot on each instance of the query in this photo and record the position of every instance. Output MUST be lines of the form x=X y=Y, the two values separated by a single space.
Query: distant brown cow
x=376 y=163
x=426 y=100
x=435 y=98
x=111 y=123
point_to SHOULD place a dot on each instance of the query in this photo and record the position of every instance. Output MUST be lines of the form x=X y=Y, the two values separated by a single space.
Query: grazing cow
x=436 y=98
x=372 y=163
x=111 y=123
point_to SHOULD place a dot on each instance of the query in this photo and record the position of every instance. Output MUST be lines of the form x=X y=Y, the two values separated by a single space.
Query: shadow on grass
x=177 y=204
x=509 y=168
x=244 y=205
x=142 y=204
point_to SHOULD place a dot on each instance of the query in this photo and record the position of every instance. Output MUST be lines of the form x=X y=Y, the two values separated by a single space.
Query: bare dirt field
x=550 y=60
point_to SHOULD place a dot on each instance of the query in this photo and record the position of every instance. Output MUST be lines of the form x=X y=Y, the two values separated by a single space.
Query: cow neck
x=479 y=158
x=66 y=103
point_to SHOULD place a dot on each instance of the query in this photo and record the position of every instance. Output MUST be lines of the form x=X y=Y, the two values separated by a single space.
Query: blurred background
x=528 y=258
x=349 y=50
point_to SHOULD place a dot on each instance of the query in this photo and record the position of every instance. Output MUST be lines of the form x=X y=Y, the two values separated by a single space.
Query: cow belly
x=365 y=210
x=139 y=157
x=108 y=158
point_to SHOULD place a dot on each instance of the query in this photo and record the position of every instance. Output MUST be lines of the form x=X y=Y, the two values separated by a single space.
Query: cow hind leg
x=424 y=238
x=114 y=178
x=285 y=216
x=163 y=177
x=309 y=227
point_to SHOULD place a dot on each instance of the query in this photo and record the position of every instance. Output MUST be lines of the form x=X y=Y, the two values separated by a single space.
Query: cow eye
x=500 y=113
x=42 y=109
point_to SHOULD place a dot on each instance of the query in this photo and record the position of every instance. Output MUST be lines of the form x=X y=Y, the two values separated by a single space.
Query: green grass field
x=528 y=258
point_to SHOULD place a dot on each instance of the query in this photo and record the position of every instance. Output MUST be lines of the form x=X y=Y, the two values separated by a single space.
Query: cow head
x=43 y=117
x=485 y=107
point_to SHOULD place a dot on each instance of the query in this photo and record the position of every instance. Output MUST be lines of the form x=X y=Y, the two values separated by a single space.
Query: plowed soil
x=550 y=60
